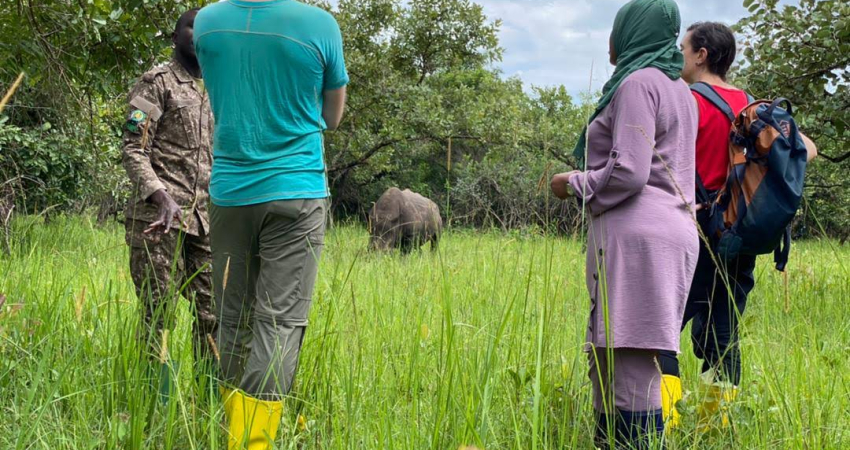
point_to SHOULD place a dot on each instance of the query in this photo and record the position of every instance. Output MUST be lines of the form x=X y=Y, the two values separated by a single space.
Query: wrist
x=570 y=180
x=158 y=196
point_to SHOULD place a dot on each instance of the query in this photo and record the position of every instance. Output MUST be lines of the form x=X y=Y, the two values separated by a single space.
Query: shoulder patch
x=147 y=107
x=151 y=75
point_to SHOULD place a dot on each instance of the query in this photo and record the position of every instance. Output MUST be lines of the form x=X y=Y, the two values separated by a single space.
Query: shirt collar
x=180 y=72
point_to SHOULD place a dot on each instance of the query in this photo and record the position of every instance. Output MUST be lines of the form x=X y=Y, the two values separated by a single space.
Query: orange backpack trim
x=753 y=173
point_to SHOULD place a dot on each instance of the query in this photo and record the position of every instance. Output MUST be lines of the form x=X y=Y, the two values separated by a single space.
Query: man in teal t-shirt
x=276 y=79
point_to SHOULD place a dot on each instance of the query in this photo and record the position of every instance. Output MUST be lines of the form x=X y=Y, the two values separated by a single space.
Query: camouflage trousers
x=165 y=267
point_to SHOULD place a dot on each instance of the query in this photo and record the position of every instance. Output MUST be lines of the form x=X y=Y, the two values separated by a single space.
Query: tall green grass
x=478 y=343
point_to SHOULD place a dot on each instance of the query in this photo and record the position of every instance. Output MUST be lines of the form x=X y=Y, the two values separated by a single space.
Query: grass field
x=478 y=344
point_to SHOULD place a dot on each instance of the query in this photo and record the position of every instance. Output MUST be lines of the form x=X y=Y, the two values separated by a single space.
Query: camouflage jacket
x=168 y=145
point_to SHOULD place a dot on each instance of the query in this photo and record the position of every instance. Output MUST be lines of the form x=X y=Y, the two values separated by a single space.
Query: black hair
x=719 y=41
x=183 y=18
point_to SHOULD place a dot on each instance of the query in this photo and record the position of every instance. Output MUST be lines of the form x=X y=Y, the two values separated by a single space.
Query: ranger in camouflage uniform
x=167 y=155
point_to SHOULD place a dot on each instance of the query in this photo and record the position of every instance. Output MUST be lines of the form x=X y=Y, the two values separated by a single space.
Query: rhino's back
x=419 y=202
x=422 y=210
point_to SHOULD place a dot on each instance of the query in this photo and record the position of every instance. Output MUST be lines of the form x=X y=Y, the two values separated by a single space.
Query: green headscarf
x=644 y=35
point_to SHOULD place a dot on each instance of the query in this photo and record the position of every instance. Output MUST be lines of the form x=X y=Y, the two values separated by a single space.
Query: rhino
x=404 y=220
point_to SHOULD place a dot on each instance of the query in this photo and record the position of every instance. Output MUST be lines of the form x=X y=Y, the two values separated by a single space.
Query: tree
x=802 y=52
x=80 y=57
x=426 y=109
x=395 y=55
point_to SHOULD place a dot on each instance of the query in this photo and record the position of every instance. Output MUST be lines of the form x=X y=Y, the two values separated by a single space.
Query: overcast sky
x=555 y=42
x=552 y=42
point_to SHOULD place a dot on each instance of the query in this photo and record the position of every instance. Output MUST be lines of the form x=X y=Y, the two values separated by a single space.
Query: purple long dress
x=642 y=240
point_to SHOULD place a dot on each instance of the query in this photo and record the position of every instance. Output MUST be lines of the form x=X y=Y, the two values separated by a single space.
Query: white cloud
x=557 y=42
x=554 y=42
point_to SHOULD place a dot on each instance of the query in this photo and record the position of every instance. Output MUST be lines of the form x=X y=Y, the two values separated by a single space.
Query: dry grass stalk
x=214 y=348
x=81 y=300
x=163 y=351
x=226 y=275
x=11 y=92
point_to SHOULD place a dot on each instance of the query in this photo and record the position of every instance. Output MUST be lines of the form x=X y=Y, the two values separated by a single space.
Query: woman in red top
x=709 y=50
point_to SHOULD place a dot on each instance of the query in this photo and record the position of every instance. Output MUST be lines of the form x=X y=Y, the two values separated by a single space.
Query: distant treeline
x=427 y=110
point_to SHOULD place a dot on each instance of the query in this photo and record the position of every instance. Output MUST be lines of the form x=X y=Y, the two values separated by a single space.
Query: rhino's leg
x=406 y=245
x=435 y=242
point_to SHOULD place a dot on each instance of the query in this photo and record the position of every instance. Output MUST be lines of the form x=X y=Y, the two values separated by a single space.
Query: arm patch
x=136 y=121
x=146 y=107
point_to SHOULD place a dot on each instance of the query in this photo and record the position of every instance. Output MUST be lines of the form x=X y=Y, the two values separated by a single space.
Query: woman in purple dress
x=642 y=244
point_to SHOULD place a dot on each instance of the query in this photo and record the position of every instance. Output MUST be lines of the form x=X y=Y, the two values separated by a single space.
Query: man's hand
x=560 y=184
x=169 y=213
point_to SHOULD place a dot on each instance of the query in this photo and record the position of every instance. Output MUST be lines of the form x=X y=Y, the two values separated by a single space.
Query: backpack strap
x=703 y=192
x=780 y=255
x=711 y=95
x=704 y=89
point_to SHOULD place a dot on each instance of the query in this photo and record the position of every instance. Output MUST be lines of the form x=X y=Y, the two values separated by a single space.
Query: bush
x=53 y=169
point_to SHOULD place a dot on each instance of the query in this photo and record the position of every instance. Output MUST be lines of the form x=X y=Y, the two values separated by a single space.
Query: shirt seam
x=282 y=36
x=253 y=6
x=258 y=197
x=270 y=197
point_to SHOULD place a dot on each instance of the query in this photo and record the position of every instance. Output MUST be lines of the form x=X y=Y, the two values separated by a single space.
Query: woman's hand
x=560 y=184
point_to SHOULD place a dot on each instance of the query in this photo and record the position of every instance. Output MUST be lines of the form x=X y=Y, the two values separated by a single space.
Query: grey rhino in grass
x=405 y=220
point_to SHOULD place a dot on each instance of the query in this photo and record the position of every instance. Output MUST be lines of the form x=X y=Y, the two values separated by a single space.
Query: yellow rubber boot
x=671 y=393
x=251 y=423
x=716 y=400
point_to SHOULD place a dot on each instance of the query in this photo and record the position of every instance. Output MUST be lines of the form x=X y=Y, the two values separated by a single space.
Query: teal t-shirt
x=265 y=66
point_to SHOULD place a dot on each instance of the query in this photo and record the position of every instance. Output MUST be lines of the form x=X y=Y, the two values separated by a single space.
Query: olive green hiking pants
x=265 y=262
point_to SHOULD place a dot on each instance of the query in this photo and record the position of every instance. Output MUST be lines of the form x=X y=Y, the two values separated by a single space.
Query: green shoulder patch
x=136 y=121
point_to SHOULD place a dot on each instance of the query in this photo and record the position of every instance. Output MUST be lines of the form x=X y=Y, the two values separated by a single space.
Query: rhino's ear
x=384 y=213
x=392 y=210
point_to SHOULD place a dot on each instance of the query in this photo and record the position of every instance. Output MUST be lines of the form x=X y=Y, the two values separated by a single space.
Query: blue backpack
x=752 y=212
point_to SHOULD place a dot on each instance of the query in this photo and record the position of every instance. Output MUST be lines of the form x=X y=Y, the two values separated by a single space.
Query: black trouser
x=714 y=332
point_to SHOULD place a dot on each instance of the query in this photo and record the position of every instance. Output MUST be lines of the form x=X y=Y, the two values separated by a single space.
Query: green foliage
x=80 y=59
x=427 y=111
x=421 y=77
x=49 y=168
x=802 y=52
x=75 y=53
x=37 y=153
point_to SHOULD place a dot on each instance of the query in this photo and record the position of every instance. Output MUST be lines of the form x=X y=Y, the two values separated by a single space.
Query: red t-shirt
x=712 y=158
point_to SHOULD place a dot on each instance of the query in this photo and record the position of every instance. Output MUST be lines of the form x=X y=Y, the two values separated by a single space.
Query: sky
x=556 y=42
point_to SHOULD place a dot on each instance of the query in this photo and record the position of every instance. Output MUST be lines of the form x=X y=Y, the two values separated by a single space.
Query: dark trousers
x=626 y=398
x=716 y=302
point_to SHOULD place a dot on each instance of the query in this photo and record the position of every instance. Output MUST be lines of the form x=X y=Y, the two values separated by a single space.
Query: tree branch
x=364 y=157
x=835 y=159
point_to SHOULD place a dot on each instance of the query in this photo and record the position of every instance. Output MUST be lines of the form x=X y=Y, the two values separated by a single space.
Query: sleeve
x=144 y=111
x=627 y=170
x=335 y=75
